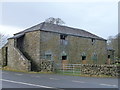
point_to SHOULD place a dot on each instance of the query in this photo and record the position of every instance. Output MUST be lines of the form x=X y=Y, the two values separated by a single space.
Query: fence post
x=73 y=70
x=80 y=69
x=63 y=68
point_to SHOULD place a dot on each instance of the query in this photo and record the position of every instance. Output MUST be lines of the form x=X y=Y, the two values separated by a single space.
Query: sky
x=97 y=17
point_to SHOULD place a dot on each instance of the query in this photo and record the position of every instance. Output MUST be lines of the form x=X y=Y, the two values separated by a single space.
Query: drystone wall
x=46 y=65
x=21 y=62
x=16 y=60
x=109 y=70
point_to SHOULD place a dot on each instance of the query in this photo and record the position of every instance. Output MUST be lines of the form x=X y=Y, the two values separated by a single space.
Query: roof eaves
x=74 y=35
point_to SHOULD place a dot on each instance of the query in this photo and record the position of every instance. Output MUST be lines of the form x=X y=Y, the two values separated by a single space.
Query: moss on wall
x=74 y=48
x=38 y=44
x=16 y=59
x=31 y=48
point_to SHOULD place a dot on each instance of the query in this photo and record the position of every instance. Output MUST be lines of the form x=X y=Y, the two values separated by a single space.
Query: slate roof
x=110 y=49
x=58 y=29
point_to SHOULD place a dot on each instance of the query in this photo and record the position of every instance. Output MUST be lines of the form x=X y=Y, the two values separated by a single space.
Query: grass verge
x=83 y=75
x=6 y=68
x=58 y=72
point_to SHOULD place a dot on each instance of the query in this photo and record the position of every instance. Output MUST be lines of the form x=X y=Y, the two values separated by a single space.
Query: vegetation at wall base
x=65 y=72
x=6 y=68
x=83 y=75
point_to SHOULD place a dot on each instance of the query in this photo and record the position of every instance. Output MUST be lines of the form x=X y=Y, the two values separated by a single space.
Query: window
x=63 y=37
x=93 y=41
x=108 y=56
x=48 y=57
x=83 y=56
x=64 y=42
x=94 y=56
x=6 y=56
x=64 y=57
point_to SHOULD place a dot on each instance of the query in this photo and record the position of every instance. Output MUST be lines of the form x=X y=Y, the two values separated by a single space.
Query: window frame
x=63 y=36
x=47 y=56
x=65 y=57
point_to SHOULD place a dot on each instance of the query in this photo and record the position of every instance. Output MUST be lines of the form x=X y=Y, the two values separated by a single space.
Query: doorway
x=64 y=61
x=6 y=56
x=83 y=59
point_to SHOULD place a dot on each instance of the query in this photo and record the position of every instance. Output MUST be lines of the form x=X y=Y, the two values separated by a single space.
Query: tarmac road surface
x=37 y=80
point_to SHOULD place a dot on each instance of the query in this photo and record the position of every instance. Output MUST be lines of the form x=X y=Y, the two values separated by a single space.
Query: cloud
x=59 y=0
x=99 y=18
x=9 y=30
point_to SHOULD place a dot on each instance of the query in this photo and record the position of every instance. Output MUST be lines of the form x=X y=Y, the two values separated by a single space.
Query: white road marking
x=109 y=85
x=78 y=81
x=18 y=74
x=26 y=83
x=54 y=79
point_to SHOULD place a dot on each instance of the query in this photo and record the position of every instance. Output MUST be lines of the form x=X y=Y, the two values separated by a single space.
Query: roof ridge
x=76 y=29
x=45 y=26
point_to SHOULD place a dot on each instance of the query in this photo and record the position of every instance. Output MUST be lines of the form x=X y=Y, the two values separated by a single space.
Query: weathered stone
x=46 y=65
x=16 y=60
x=110 y=70
x=27 y=49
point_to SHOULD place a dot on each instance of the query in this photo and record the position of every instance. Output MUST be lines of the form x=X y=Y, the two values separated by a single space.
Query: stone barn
x=55 y=43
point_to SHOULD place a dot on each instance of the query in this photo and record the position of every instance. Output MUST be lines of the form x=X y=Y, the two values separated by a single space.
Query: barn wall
x=16 y=59
x=73 y=47
x=31 y=48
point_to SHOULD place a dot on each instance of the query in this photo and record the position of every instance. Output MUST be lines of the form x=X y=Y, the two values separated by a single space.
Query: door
x=6 y=56
x=64 y=61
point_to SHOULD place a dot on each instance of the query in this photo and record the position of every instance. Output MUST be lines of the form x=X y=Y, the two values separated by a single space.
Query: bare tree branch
x=57 y=21
x=3 y=39
x=114 y=43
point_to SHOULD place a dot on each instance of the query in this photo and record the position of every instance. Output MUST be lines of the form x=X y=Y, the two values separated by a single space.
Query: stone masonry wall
x=31 y=48
x=47 y=66
x=1 y=59
x=74 y=47
x=50 y=44
x=16 y=60
x=3 y=56
x=109 y=70
x=79 y=45
x=92 y=69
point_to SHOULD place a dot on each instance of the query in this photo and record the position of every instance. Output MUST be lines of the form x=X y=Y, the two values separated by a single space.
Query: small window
x=83 y=57
x=6 y=56
x=108 y=56
x=64 y=42
x=64 y=57
x=63 y=37
x=48 y=57
x=93 y=41
x=94 y=56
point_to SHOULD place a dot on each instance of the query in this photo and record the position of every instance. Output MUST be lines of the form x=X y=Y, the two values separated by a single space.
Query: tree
x=57 y=21
x=114 y=42
x=3 y=39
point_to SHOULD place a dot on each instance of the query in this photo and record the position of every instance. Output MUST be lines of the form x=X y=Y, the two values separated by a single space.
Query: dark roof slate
x=59 y=29
x=110 y=49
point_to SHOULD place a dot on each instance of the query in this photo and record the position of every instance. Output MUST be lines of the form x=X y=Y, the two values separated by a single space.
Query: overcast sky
x=100 y=18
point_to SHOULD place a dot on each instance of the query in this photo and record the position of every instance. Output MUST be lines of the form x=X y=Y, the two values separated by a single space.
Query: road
x=37 y=80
